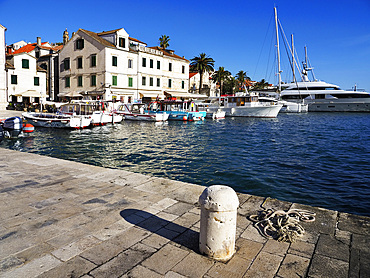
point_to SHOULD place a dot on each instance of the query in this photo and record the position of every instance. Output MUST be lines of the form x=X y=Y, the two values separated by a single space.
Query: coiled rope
x=281 y=225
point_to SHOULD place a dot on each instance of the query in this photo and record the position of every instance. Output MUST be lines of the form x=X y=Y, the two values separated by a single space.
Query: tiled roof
x=136 y=40
x=191 y=74
x=108 y=32
x=31 y=46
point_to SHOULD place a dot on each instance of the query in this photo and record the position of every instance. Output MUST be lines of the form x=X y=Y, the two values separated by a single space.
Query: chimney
x=8 y=50
x=38 y=40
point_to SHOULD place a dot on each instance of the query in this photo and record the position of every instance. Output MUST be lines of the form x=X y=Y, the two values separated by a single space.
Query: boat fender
x=184 y=118
x=28 y=128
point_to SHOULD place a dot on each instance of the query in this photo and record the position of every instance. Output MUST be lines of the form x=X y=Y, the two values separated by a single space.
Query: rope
x=280 y=225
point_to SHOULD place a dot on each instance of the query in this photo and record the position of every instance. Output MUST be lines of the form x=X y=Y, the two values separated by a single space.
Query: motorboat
x=178 y=110
x=56 y=120
x=138 y=112
x=12 y=127
x=244 y=105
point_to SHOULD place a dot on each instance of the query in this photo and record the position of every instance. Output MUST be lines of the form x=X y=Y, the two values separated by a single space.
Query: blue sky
x=238 y=35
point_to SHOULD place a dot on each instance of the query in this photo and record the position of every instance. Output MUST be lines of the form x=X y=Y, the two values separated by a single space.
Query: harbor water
x=319 y=159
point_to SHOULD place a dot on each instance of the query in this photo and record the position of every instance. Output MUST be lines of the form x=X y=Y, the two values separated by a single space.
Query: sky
x=238 y=35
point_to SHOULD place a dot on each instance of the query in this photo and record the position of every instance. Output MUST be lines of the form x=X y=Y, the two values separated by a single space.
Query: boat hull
x=56 y=121
x=263 y=111
x=339 y=105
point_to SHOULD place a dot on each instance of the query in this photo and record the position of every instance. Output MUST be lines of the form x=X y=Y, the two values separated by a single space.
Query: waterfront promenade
x=66 y=219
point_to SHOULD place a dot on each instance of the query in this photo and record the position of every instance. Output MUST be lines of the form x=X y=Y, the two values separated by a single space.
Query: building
x=209 y=87
x=26 y=82
x=47 y=58
x=3 y=97
x=112 y=65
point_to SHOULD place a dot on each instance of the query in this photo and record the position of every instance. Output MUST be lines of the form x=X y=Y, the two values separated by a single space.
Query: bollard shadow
x=184 y=236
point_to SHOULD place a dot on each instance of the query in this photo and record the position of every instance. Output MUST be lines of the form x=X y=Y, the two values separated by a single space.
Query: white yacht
x=324 y=97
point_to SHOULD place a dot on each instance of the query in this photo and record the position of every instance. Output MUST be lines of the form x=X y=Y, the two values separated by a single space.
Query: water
x=319 y=159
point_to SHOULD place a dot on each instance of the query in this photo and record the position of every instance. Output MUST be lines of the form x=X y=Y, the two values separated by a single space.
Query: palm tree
x=263 y=84
x=164 y=41
x=202 y=64
x=220 y=76
x=241 y=78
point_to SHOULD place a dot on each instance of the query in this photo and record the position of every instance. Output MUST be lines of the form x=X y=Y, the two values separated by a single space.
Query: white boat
x=244 y=105
x=96 y=110
x=56 y=121
x=136 y=112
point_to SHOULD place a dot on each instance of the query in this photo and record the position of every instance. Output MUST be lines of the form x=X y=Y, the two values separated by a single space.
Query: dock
x=67 y=219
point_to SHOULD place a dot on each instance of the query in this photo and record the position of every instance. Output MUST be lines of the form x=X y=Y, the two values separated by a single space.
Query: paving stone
x=302 y=248
x=188 y=240
x=170 y=254
x=330 y=247
x=10 y=262
x=159 y=185
x=67 y=252
x=102 y=252
x=171 y=274
x=252 y=233
x=247 y=249
x=322 y=266
x=187 y=220
x=294 y=266
x=140 y=271
x=252 y=206
x=156 y=241
x=265 y=265
x=199 y=265
x=129 y=237
x=354 y=223
x=187 y=193
x=275 y=247
x=112 y=230
x=72 y=268
x=34 y=268
x=234 y=268
x=179 y=208
x=35 y=252
x=119 y=265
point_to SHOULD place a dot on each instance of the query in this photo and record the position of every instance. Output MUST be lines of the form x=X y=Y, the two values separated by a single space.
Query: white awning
x=70 y=94
x=31 y=93
x=186 y=95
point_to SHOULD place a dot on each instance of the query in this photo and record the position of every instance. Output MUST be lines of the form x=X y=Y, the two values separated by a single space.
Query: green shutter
x=25 y=63
x=114 y=61
x=130 y=81
x=36 y=81
x=183 y=84
x=93 y=60
x=79 y=81
x=114 y=80
x=93 y=80
x=68 y=82
x=169 y=83
x=14 y=79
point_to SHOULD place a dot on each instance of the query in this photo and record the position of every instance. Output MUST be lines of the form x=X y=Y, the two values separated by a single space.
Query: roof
x=191 y=74
x=136 y=40
x=96 y=37
x=31 y=46
x=108 y=32
x=168 y=52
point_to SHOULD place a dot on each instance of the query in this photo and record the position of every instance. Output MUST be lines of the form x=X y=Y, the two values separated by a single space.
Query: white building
x=209 y=87
x=3 y=98
x=112 y=65
x=26 y=82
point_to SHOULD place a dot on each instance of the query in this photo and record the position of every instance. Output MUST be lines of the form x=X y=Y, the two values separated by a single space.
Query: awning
x=94 y=93
x=31 y=93
x=186 y=95
x=70 y=94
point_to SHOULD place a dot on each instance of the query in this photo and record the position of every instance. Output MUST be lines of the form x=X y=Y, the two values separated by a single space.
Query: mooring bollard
x=219 y=205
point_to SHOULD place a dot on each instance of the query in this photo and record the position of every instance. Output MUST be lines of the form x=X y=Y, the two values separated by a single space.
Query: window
x=79 y=62
x=158 y=64
x=114 y=61
x=183 y=69
x=158 y=82
x=183 y=84
x=79 y=81
x=36 y=81
x=130 y=81
x=170 y=66
x=25 y=63
x=143 y=81
x=114 y=80
x=13 y=79
x=130 y=63
x=79 y=44
x=66 y=64
x=93 y=80
x=151 y=81
x=122 y=42
x=37 y=54
x=93 y=60
x=144 y=62
x=68 y=82
x=169 y=83
x=151 y=63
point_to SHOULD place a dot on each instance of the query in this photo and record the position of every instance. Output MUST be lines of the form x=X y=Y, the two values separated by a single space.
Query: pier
x=66 y=219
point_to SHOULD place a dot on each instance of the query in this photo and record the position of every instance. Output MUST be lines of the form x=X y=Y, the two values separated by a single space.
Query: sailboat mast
x=293 y=59
x=278 y=49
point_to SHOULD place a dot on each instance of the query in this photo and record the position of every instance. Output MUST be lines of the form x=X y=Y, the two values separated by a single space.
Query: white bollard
x=219 y=204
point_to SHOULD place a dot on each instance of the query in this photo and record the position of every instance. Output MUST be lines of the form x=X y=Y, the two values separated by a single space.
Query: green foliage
x=164 y=41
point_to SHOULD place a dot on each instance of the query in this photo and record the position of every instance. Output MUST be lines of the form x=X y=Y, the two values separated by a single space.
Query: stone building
x=112 y=65
x=3 y=96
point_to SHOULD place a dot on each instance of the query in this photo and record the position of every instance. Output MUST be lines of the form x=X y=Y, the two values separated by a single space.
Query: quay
x=66 y=219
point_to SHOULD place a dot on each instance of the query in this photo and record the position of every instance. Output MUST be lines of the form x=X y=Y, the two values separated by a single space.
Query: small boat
x=13 y=127
x=178 y=110
x=137 y=112
x=56 y=120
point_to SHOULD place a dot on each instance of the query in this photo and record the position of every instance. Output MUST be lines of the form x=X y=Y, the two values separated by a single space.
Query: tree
x=220 y=76
x=263 y=84
x=202 y=64
x=164 y=41
x=242 y=80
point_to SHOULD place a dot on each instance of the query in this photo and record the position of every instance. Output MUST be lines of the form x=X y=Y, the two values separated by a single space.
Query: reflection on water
x=316 y=158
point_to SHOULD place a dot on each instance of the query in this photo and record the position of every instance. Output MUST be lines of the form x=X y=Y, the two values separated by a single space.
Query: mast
x=293 y=59
x=278 y=49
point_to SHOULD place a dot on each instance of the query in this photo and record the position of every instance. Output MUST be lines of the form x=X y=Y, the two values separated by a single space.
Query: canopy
x=31 y=93
x=70 y=94
x=186 y=95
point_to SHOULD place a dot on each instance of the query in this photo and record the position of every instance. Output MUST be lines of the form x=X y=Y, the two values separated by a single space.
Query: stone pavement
x=65 y=219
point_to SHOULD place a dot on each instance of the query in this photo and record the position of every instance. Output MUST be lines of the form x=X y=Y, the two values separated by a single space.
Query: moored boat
x=137 y=112
x=178 y=110
x=56 y=120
